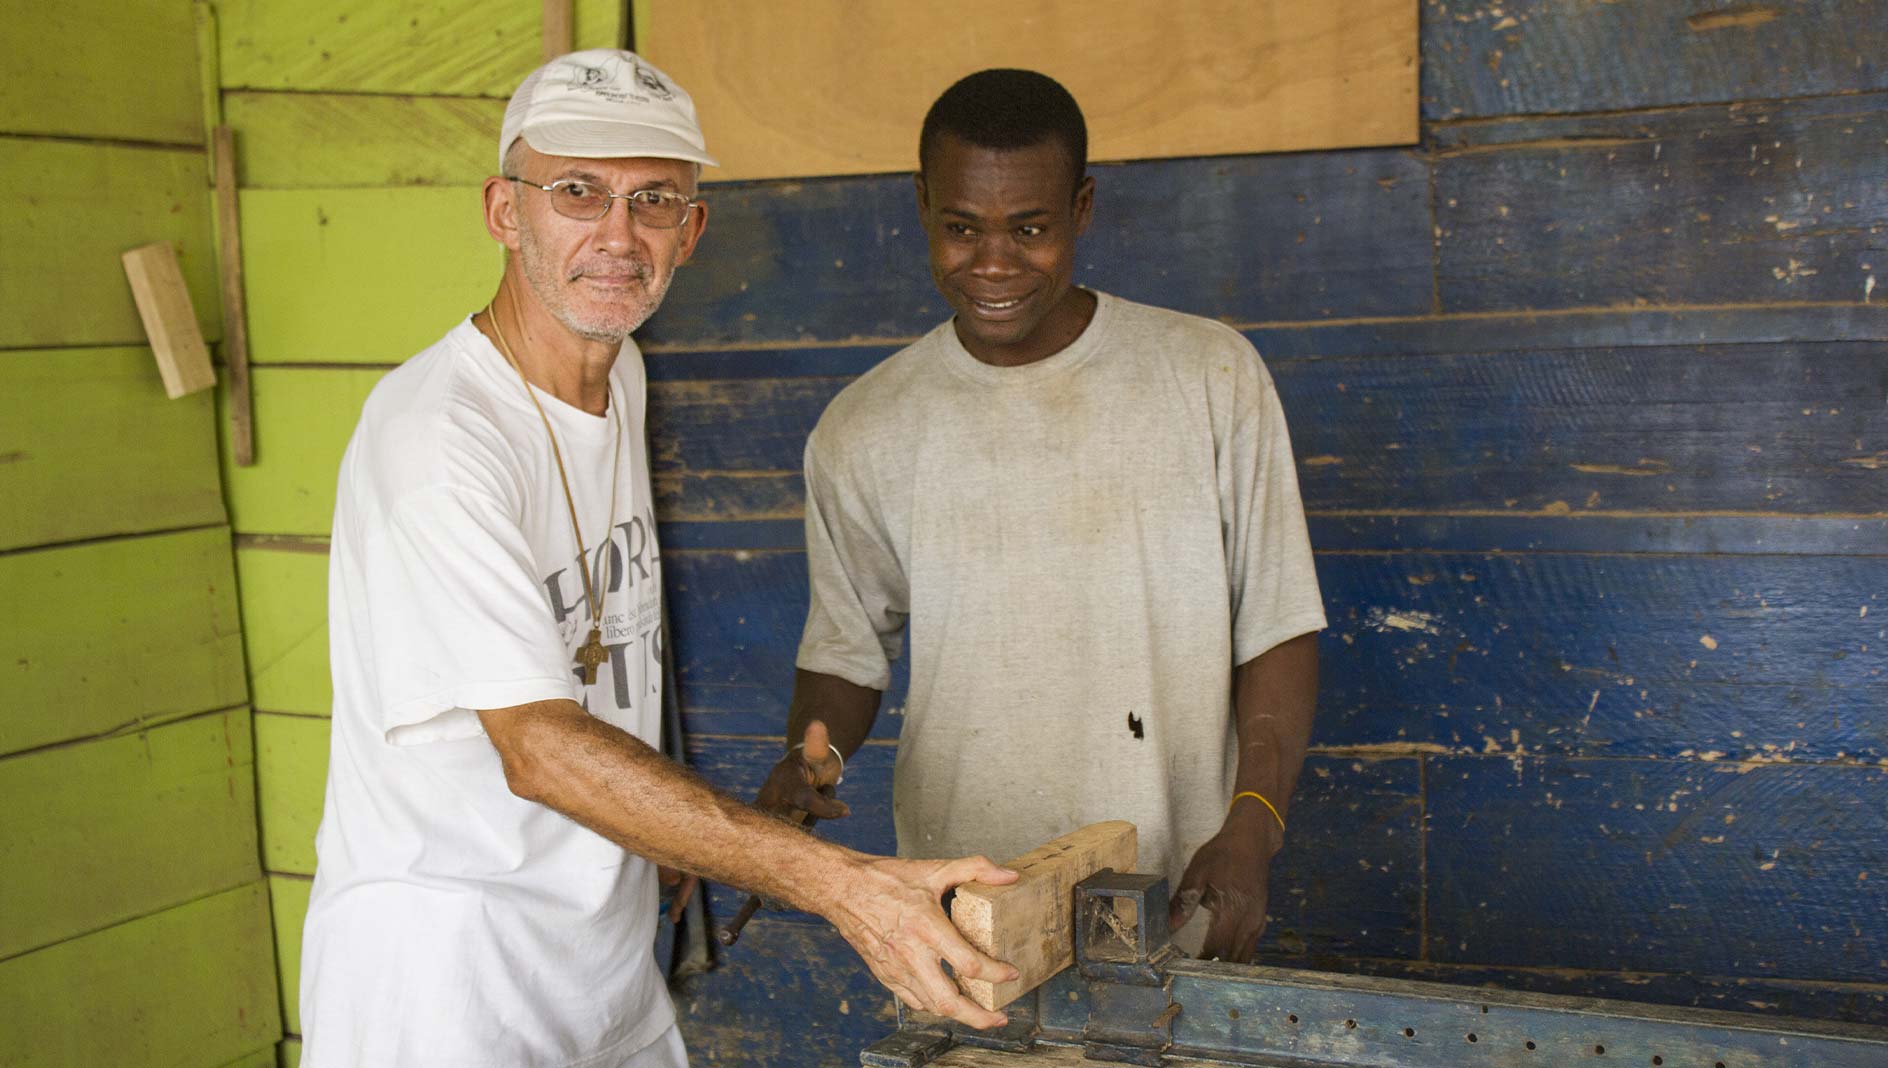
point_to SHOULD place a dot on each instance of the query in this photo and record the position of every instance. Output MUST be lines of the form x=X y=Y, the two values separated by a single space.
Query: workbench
x=1132 y=998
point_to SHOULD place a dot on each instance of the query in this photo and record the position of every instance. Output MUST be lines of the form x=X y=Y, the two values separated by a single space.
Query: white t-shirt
x=452 y=922
x=1083 y=548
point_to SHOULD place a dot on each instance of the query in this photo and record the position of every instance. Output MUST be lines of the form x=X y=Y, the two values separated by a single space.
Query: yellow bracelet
x=1254 y=793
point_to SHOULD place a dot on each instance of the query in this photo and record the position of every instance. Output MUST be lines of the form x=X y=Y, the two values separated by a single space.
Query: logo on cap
x=606 y=84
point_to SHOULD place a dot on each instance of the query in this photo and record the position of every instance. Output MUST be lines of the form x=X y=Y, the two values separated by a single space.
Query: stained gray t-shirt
x=1083 y=548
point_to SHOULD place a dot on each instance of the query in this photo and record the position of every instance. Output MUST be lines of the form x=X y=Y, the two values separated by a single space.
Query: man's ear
x=693 y=228
x=501 y=211
x=1084 y=203
x=924 y=194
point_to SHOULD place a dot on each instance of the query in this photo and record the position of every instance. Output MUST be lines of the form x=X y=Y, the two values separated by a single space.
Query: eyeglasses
x=587 y=200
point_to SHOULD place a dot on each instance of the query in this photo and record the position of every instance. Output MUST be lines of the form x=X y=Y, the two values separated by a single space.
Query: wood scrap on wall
x=1030 y=923
x=170 y=320
x=828 y=87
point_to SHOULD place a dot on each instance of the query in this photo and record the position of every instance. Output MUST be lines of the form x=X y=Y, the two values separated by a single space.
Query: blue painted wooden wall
x=1590 y=400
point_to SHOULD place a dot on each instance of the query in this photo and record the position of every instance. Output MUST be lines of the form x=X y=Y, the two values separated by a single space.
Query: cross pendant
x=591 y=655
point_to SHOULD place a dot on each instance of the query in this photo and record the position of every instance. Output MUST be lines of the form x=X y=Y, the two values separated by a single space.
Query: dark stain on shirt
x=1134 y=724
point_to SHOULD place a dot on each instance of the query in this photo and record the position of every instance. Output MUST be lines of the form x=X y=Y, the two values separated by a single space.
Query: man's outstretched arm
x=606 y=779
x=1275 y=697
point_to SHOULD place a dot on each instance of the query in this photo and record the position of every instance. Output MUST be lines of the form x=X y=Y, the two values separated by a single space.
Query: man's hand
x=892 y=916
x=1230 y=876
x=803 y=781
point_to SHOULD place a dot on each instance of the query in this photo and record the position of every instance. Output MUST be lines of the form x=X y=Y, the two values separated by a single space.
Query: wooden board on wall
x=104 y=635
x=90 y=446
x=840 y=87
x=102 y=832
x=119 y=69
x=193 y=985
x=445 y=47
x=71 y=209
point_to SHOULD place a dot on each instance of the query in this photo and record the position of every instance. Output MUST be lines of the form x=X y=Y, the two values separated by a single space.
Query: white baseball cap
x=603 y=104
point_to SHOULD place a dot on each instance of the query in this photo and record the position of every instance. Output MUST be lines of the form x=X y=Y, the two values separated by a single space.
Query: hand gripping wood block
x=1029 y=923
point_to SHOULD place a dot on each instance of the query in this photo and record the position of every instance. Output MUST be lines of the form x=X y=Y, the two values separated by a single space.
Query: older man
x=486 y=891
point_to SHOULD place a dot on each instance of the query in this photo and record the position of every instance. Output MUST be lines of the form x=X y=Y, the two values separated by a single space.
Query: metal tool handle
x=728 y=935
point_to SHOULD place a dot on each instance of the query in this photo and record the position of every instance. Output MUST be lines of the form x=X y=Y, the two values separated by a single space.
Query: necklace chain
x=586 y=658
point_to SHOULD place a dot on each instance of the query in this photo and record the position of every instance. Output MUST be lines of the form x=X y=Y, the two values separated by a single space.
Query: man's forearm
x=847 y=709
x=1275 y=697
x=615 y=784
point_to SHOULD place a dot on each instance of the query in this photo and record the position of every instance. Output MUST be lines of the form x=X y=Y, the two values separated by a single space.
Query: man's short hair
x=1004 y=109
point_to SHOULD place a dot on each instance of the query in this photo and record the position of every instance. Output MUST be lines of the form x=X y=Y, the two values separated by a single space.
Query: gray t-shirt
x=1083 y=547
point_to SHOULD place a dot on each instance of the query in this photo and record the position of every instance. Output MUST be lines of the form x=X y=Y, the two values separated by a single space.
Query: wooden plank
x=1318 y=237
x=1567 y=653
x=105 y=831
x=482 y=48
x=365 y=140
x=291 y=775
x=1761 y=871
x=1747 y=203
x=1576 y=533
x=776 y=90
x=1750 y=428
x=190 y=985
x=229 y=262
x=1030 y=924
x=64 y=237
x=558 y=33
x=110 y=635
x=283 y=592
x=731 y=450
x=288 y=1054
x=67 y=78
x=90 y=447
x=304 y=417
x=1713 y=658
x=362 y=275
x=1863 y=1003
x=170 y=322
x=1537 y=56
x=1248 y=239
x=288 y=912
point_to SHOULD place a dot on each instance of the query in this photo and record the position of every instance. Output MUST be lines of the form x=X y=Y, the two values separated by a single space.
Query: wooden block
x=778 y=91
x=170 y=322
x=1030 y=923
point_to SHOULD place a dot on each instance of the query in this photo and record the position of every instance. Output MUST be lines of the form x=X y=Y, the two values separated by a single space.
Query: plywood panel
x=780 y=90
x=106 y=635
x=291 y=775
x=188 y=986
x=71 y=209
x=364 y=141
x=1767 y=871
x=108 y=830
x=482 y=48
x=90 y=446
x=119 y=69
x=288 y=911
x=1775 y=202
x=1540 y=56
x=284 y=598
x=304 y=418
x=361 y=275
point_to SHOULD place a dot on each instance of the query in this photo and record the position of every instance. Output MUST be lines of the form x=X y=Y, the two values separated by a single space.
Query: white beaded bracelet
x=836 y=753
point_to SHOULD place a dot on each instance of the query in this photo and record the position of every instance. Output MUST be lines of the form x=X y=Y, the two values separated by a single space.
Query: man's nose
x=617 y=229
x=994 y=257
